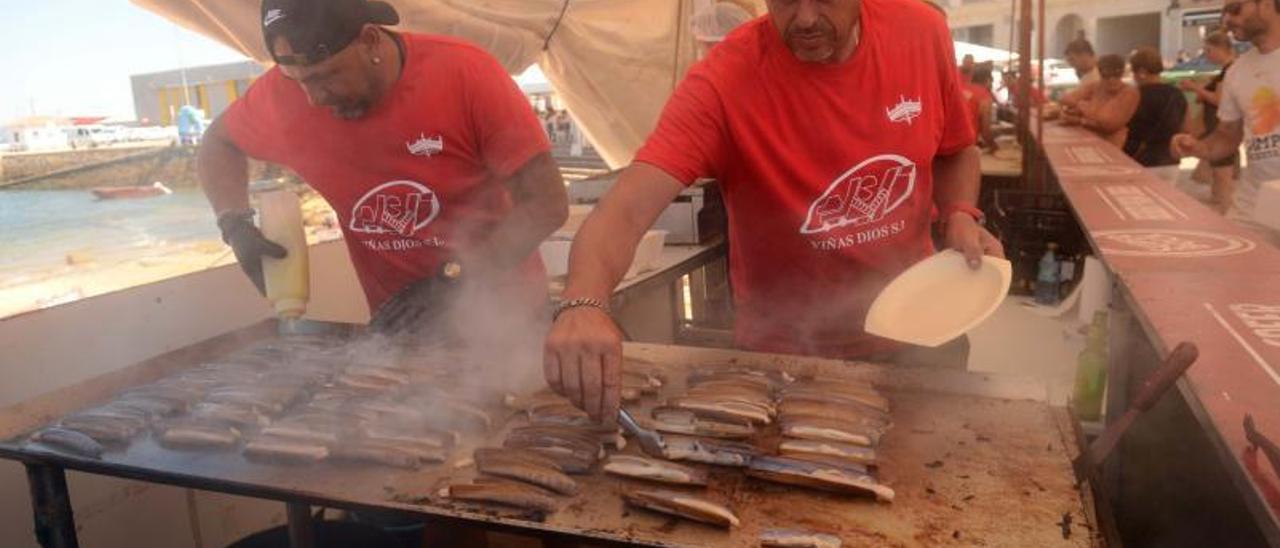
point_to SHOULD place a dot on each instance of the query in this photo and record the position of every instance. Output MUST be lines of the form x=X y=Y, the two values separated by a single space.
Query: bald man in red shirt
x=836 y=129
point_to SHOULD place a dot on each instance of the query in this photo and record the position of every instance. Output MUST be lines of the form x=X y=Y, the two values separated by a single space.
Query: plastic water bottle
x=1048 y=278
x=1091 y=371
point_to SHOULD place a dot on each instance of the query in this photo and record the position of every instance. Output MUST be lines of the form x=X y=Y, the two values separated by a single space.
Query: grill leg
x=302 y=533
x=51 y=505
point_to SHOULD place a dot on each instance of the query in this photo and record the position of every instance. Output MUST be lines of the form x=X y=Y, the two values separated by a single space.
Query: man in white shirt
x=1249 y=111
x=1081 y=57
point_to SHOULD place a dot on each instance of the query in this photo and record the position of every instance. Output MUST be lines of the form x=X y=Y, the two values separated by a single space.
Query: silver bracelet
x=578 y=303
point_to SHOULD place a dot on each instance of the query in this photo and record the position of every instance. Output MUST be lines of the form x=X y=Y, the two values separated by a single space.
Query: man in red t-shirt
x=432 y=158
x=835 y=129
x=981 y=102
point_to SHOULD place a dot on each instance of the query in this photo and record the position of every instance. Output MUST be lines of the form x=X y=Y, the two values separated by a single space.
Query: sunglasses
x=1235 y=9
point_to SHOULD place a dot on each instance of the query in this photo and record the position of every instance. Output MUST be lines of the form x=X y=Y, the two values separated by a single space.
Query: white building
x=34 y=133
x=1113 y=26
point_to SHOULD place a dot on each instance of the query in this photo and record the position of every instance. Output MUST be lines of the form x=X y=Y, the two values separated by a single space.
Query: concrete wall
x=174 y=166
x=1169 y=35
x=152 y=91
x=50 y=349
x=28 y=164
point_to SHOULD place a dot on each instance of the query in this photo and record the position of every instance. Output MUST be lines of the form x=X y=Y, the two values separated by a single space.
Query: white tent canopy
x=613 y=62
x=982 y=54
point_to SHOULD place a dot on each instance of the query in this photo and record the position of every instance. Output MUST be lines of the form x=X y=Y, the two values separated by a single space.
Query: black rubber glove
x=249 y=245
x=420 y=304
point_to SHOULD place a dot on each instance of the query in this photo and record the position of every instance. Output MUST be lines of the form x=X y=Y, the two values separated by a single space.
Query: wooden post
x=1024 y=86
x=1038 y=176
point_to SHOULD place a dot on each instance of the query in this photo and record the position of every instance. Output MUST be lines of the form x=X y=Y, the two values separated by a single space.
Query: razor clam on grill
x=527 y=471
x=654 y=470
x=67 y=440
x=708 y=451
x=683 y=505
x=508 y=494
x=795 y=538
x=685 y=421
x=854 y=453
x=817 y=475
x=196 y=433
x=285 y=450
x=712 y=407
x=829 y=429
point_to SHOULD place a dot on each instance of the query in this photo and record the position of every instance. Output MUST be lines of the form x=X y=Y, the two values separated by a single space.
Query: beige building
x=1113 y=26
x=157 y=96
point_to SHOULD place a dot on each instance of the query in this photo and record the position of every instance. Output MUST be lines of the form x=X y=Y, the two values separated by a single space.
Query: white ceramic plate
x=939 y=299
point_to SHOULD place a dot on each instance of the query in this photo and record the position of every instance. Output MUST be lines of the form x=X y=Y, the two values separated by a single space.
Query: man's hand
x=965 y=235
x=249 y=245
x=583 y=361
x=1184 y=145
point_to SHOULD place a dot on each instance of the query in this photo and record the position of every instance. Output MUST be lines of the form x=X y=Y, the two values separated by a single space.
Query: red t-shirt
x=419 y=176
x=975 y=95
x=826 y=170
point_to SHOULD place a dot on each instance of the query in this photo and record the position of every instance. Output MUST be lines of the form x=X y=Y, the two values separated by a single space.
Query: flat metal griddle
x=974 y=459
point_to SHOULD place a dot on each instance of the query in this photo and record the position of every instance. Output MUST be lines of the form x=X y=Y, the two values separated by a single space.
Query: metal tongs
x=650 y=441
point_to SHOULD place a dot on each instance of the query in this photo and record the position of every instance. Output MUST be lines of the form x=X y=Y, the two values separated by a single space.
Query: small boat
x=130 y=192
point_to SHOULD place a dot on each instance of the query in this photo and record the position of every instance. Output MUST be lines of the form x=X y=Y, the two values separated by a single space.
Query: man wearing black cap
x=431 y=156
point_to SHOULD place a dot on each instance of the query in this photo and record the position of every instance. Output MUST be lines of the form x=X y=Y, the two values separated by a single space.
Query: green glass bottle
x=1091 y=371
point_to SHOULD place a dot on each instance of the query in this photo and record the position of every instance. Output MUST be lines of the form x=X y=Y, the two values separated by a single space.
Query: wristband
x=967 y=209
x=578 y=303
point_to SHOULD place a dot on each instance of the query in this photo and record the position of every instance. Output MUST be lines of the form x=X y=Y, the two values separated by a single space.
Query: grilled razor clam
x=103 y=431
x=826 y=429
x=375 y=453
x=567 y=460
x=705 y=406
x=837 y=462
x=708 y=451
x=483 y=455
x=773 y=379
x=367 y=383
x=284 y=450
x=255 y=400
x=562 y=414
x=123 y=416
x=304 y=432
x=198 y=434
x=655 y=470
x=853 y=413
x=426 y=437
x=65 y=439
x=684 y=421
x=817 y=476
x=559 y=436
x=549 y=477
x=239 y=416
x=384 y=408
x=733 y=395
x=389 y=374
x=734 y=386
x=508 y=494
x=683 y=505
x=861 y=399
x=795 y=538
x=855 y=453
x=154 y=406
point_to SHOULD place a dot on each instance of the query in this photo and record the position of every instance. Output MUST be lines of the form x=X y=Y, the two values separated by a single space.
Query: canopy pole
x=1039 y=175
x=1024 y=87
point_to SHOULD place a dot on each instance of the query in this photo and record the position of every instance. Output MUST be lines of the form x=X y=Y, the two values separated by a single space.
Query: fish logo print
x=863 y=195
x=396 y=207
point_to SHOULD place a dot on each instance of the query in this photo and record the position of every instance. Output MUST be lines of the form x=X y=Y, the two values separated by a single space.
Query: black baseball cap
x=317 y=29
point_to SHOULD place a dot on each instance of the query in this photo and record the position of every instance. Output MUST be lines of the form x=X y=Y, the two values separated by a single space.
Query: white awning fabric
x=613 y=62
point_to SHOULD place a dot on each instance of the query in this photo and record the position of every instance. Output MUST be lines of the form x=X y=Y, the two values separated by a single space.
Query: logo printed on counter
x=862 y=195
x=1163 y=243
x=1096 y=170
x=395 y=207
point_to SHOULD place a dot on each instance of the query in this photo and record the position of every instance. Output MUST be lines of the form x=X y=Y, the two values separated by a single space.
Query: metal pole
x=302 y=533
x=51 y=505
x=1038 y=176
x=1024 y=86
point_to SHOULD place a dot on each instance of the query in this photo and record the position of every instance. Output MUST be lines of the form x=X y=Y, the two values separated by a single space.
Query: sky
x=74 y=57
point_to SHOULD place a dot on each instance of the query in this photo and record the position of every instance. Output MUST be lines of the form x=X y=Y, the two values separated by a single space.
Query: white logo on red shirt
x=273 y=15
x=905 y=111
x=396 y=207
x=426 y=147
x=862 y=195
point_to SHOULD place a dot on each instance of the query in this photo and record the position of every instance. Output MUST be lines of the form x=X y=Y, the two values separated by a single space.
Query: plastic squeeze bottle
x=287 y=280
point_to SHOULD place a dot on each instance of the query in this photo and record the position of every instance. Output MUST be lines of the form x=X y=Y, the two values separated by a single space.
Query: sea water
x=38 y=228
